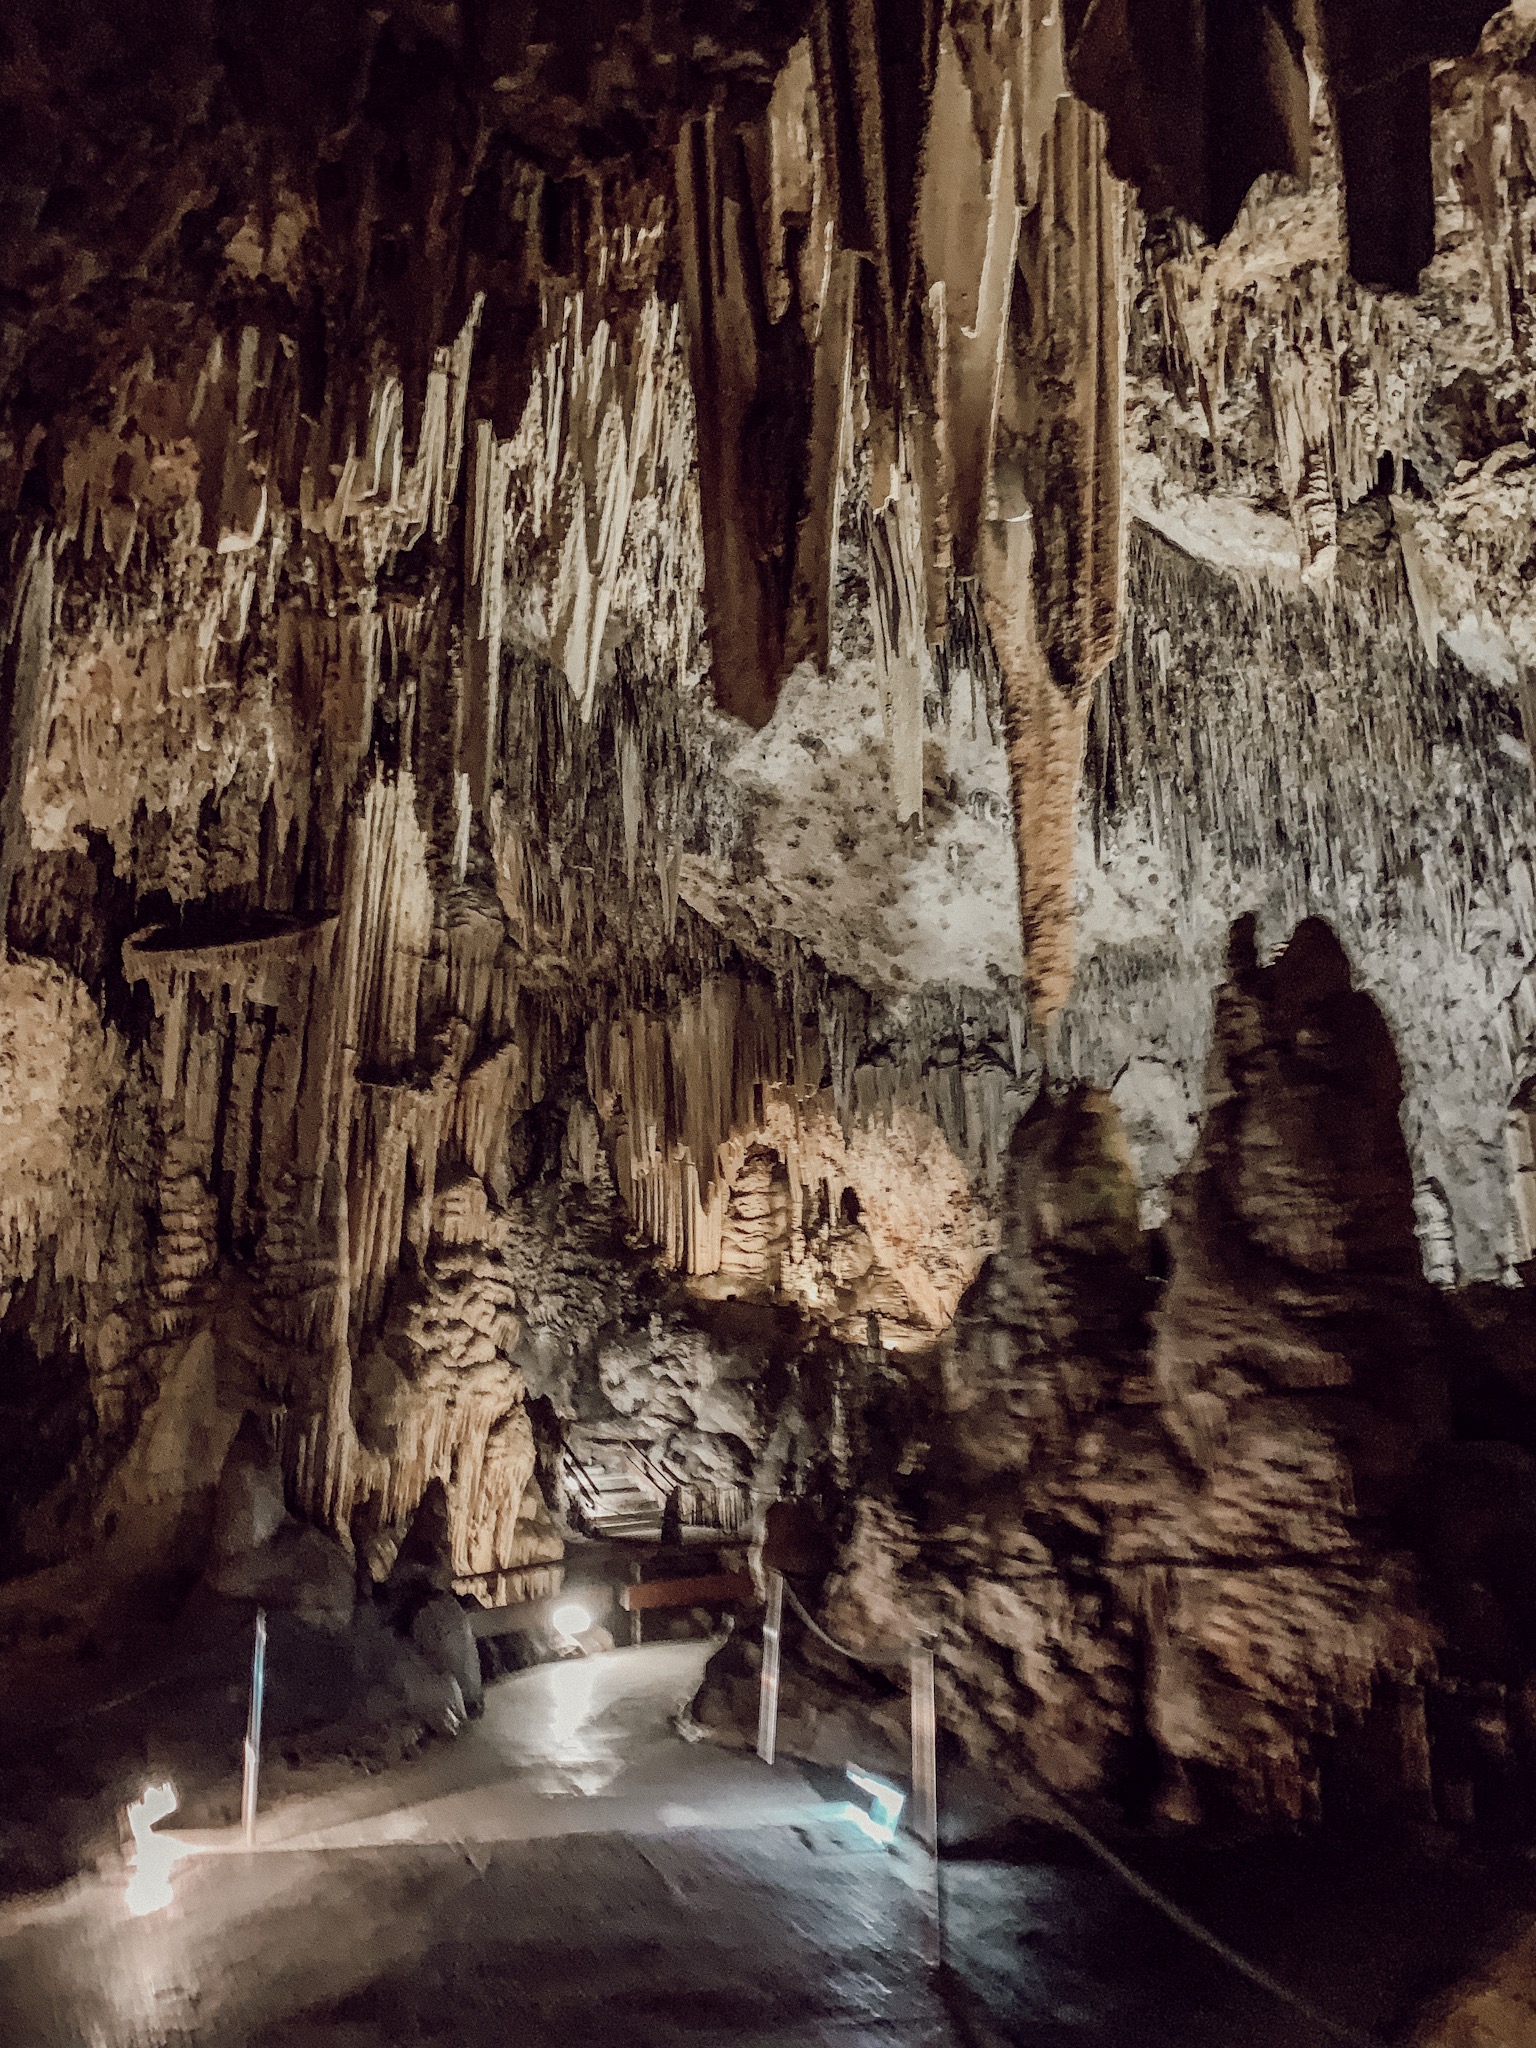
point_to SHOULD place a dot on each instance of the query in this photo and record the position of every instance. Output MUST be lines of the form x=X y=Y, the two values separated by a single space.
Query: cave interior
x=767 y=818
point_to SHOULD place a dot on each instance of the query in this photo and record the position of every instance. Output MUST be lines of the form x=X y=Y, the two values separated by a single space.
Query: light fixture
x=885 y=1807
x=149 y=1881
x=571 y=1620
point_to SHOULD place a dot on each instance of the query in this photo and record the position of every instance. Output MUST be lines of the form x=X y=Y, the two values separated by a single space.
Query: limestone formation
x=782 y=755
x=1161 y=1531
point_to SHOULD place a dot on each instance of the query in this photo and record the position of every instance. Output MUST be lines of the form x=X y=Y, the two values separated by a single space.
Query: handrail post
x=925 y=1795
x=768 y=1699
x=925 y=1759
x=253 y=1730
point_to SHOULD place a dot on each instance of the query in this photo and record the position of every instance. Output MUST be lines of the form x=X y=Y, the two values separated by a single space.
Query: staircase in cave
x=615 y=1501
x=624 y=1508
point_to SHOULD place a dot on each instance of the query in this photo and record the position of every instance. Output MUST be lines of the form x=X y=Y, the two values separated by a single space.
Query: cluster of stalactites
x=916 y=251
x=748 y=1159
x=346 y=1083
x=676 y=1090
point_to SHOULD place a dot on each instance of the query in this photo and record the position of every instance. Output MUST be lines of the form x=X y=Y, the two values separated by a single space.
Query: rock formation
x=1183 y=1538
x=787 y=747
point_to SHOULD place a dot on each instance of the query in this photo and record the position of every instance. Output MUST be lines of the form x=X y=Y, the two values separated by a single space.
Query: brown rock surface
x=1161 y=1533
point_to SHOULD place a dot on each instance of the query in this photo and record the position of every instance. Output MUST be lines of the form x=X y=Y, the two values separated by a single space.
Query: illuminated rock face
x=608 y=654
x=1166 y=1531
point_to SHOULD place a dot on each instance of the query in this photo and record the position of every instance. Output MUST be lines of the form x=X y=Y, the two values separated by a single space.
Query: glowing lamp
x=884 y=1810
x=149 y=1881
x=571 y=1620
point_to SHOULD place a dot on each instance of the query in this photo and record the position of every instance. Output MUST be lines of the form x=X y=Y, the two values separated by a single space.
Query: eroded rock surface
x=1185 y=1540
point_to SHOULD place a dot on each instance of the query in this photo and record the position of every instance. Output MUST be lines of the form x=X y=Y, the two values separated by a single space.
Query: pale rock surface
x=440 y=1631
x=249 y=1507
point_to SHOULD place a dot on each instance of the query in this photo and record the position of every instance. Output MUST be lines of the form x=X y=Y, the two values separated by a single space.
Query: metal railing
x=651 y=1472
x=579 y=1481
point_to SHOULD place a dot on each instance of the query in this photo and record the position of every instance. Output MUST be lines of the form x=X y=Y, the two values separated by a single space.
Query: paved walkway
x=582 y=1747
x=572 y=1872
x=569 y=1871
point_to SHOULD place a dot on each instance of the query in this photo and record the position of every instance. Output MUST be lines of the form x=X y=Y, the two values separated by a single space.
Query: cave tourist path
x=571 y=1871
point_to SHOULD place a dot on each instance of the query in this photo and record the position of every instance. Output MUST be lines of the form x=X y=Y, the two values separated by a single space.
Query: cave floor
x=571 y=1871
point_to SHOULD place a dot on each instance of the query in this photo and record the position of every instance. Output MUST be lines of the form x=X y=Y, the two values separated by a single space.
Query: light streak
x=885 y=1809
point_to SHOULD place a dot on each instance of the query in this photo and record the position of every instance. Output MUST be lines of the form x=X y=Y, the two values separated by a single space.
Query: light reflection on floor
x=153 y=1856
x=344 y=1888
x=575 y=1684
x=481 y=1895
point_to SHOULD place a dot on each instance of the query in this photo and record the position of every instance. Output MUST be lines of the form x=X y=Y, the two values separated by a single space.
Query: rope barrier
x=1197 y=1930
x=871 y=1657
x=1067 y=1820
x=1277 y=1561
x=919 y=1661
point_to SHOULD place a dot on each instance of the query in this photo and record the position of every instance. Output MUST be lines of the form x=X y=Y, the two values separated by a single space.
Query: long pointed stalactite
x=1051 y=564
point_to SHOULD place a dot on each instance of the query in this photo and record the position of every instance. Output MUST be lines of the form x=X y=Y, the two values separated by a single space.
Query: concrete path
x=573 y=1874
x=630 y=1942
x=569 y=1871
x=586 y=1746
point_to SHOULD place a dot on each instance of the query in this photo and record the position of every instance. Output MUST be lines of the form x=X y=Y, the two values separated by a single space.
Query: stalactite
x=387 y=924
x=485 y=536
x=768 y=366
x=25 y=641
x=61 y=1069
x=1000 y=399
x=600 y=477
x=898 y=610
x=1223 y=740
x=690 y=1099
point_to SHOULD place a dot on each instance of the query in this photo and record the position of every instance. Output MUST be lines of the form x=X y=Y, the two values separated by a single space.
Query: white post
x=925 y=1755
x=253 y=1729
x=768 y=1701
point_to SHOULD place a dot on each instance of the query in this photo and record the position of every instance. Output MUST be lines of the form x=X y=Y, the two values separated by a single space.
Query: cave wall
x=1190 y=1527
x=1321 y=704
x=1262 y=712
x=362 y=454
